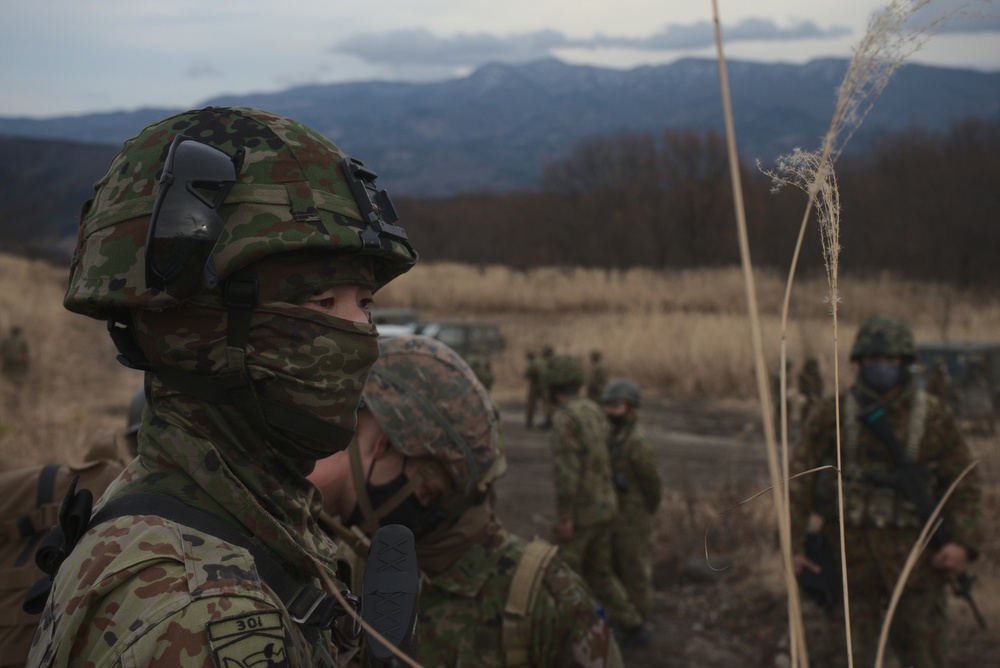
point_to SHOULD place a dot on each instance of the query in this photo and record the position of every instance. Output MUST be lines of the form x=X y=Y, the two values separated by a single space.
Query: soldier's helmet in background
x=565 y=373
x=884 y=336
x=621 y=389
x=430 y=404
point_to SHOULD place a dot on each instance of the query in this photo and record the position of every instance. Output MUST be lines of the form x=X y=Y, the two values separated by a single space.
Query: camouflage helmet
x=430 y=404
x=195 y=197
x=564 y=371
x=621 y=389
x=884 y=336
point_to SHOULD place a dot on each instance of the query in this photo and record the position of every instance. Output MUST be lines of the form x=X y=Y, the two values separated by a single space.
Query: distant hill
x=493 y=130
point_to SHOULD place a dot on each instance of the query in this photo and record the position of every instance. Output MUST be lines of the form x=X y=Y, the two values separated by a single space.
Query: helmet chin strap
x=371 y=517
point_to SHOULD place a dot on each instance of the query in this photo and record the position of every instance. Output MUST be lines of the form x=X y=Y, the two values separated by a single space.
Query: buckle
x=306 y=593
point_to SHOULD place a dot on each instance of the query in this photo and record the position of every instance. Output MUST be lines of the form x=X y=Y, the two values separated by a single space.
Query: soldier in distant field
x=534 y=374
x=639 y=488
x=547 y=407
x=810 y=387
x=881 y=525
x=14 y=355
x=597 y=377
x=426 y=456
x=776 y=393
x=586 y=504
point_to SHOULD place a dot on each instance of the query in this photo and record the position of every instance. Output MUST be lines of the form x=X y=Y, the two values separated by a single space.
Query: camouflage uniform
x=547 y=355
x=581 y=472
x=535 y=375
x=431 y=406
x=597 y=378
x=939 y=381
x=880 y=527
x=810 y=387
x=248 y=387
x=462 y=612
x=638 y=486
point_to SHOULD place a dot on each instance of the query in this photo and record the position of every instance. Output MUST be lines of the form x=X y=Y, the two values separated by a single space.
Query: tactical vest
x=867 y=504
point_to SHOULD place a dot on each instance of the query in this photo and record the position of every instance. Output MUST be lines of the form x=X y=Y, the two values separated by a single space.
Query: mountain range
x=494 y=129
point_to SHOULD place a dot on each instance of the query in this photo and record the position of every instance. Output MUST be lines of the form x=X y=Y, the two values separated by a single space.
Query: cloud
x=422 y=48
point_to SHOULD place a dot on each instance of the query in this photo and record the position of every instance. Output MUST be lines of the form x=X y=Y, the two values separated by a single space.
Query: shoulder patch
x=256 y=639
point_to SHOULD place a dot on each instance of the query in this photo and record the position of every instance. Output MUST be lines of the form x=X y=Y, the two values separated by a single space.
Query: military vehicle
x=465 y=337
x=974 y=373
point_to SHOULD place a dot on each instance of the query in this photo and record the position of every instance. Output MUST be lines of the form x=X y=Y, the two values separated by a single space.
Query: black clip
x=376 y=208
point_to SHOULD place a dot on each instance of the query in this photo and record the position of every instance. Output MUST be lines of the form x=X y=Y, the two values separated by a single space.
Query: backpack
x=29 y=507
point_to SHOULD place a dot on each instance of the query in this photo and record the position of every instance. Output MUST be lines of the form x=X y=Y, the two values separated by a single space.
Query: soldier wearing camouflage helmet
x=638 y=487
x=586 y=504
x=233 y=254
x=880 y=525
x=425 y=456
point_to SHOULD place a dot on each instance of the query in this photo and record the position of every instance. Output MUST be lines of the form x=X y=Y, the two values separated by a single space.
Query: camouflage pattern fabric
x=596 y=380
x=810 y=387
x=537 y=394
x=634 y=465
x=147 y=588
x=876 y=544
x=143 y=590
x=462 y=611
x=581 y=472
x=29 y=508
x=884 y=335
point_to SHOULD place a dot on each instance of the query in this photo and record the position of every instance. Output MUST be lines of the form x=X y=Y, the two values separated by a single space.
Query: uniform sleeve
x=644 y=471
x=569 y=630
x=945 y=444
x=807 y=454
x=566 y=462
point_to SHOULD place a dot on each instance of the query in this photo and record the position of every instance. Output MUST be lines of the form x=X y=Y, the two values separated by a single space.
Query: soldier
x=638 y=486
x=425 y=456
x=535 y=375
x=585 y=497
x=241 y=284
x=597 y=378
x=547 y=355
x=880 y=523
x=810 y=387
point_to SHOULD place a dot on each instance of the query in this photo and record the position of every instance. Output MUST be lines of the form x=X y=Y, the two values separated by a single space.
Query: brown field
x=683 y=336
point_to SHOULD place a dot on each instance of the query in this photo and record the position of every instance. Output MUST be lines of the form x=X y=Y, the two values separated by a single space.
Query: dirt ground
x=732 y=612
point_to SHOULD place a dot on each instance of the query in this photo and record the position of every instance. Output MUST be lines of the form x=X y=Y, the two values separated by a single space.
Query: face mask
x=416 y=517
x=881 y=377
x=617 y=420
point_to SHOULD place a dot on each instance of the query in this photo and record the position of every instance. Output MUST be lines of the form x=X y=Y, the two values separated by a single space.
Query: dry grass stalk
x=797 y=630
x=923 y=540
x=889 y=40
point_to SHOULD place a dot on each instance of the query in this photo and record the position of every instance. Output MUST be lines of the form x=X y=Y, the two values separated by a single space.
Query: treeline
x=919 y=204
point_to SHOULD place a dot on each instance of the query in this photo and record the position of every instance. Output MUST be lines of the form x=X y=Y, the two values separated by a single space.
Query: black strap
x=310 y=608
x=46 y=485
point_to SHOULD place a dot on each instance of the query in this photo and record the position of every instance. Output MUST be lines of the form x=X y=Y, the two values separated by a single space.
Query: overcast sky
x=62 y=57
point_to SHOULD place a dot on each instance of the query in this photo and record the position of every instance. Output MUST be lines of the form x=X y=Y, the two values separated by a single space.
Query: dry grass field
x=683 y=336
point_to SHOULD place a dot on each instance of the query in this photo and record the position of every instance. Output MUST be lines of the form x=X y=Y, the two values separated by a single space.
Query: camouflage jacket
x=462 y=612
x=596 y=381
x=146 y=591
x=634 y=464
x=581 y=467
x=881 y=527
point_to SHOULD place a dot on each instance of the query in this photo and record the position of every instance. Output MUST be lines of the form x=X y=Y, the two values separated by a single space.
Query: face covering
x=617 y=420
x=881 y=377
x=416 y=517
